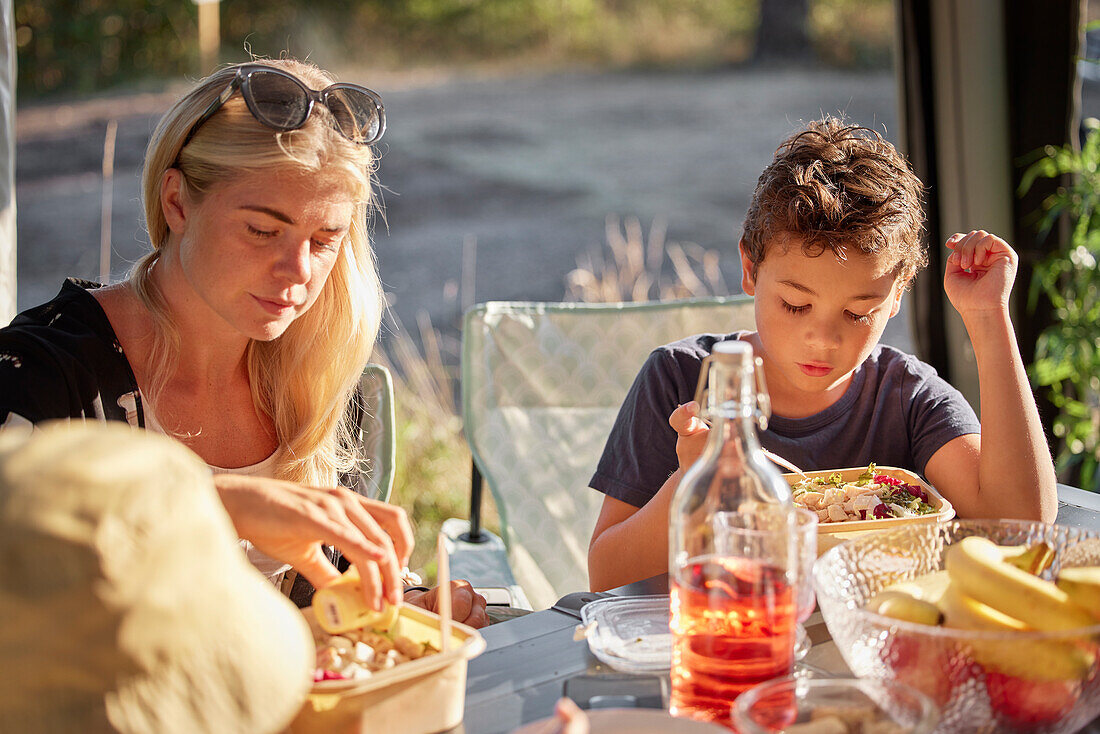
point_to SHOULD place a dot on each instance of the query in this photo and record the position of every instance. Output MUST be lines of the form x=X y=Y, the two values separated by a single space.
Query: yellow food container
x=340 y=607
x=416 y=697
x=830 y=534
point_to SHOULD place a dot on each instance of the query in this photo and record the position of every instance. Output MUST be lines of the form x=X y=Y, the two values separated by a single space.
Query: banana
x=910 y=609
x=1034 y=558
x=976 y=565
x=1046 y=660
x=1082 y=584
x=963 y=612
x=876 y=601
x=926 y=587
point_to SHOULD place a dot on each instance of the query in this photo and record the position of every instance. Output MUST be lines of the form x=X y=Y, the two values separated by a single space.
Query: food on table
x=358 y=654
x=902 y=606
x=928 y=587
x=978 y=567
x=846 y=720
x=871 y=496
x=360 y=641
x=925 y=667
x=1082 y=585
x=1034 y=558
x=1033 y=659
x=1027 y=704
x=340 y=607
x=990 y=587
x=963 y=612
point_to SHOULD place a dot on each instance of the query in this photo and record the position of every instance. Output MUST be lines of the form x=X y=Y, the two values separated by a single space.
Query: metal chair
x=377 y=453
x=542 y=384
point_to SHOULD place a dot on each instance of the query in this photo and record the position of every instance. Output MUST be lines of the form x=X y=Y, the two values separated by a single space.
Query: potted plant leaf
x=1067 y=353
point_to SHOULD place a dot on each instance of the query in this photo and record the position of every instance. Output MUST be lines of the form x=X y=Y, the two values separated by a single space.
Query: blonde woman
x=244 y=330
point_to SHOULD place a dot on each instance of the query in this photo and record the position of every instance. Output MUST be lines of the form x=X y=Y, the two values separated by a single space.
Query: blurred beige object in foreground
x=126 y=602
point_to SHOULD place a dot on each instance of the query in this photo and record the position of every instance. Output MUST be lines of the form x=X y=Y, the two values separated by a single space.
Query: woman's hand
x=290 y=522
x=467 y=606
x=980 y=272
x=691 y=433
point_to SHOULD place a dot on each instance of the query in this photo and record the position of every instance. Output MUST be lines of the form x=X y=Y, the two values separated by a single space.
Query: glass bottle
x=732 y=549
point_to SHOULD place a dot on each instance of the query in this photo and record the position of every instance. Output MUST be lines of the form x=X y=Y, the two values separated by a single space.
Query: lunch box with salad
x=830 y=534
x=421 y=695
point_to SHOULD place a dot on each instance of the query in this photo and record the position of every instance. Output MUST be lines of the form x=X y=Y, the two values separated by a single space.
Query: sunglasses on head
x=281 y=101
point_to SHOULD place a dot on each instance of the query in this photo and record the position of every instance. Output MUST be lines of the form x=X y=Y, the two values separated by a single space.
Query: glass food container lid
x=630 y=634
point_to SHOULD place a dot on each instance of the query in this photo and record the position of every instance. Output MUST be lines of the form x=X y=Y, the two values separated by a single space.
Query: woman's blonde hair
x=306 y=378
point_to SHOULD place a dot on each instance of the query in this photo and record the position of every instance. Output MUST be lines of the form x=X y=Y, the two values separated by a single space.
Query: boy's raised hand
x=691 y=433
x=980 y=272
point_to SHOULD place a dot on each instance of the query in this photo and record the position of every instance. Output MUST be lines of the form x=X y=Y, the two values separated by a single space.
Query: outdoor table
x=527 y=660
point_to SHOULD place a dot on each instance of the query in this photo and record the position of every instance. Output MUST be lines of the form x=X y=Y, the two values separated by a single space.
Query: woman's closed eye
x=859 y=318
x=327 y=245
x=261 y=233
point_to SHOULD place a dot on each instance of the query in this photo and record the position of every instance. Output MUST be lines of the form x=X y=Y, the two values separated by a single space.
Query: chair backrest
x=376 y=427
x=541 y=386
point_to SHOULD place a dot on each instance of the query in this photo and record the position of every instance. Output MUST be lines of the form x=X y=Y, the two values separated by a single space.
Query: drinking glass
x=734 y=612
x=875 y=705
x=805 y=603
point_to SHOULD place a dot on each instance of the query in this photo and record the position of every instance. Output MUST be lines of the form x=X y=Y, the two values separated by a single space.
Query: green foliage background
x=1067 y=354
x=84 y=46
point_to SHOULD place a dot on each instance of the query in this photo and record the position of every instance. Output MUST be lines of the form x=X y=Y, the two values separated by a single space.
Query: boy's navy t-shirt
x=896 y=412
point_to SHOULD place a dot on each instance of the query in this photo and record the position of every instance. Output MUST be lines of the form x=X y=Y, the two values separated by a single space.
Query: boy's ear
x=748 y=280
x=899 y=293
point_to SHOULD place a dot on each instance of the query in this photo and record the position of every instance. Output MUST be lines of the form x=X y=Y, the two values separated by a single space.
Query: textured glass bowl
x=938 y=660
x=773 y=705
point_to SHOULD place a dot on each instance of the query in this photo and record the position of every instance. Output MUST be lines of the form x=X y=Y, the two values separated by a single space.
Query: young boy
x=831 y=240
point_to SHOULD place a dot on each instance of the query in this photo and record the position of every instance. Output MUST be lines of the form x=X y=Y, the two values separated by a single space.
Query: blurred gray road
x=528 y=167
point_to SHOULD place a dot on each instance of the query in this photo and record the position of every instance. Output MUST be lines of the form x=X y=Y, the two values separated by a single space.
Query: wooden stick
x=209 y=35
x=107 y=203
x=443 y=579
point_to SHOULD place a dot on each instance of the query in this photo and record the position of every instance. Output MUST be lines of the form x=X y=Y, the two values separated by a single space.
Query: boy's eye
x=857 y=318
x=263 y=233
x=794 y=309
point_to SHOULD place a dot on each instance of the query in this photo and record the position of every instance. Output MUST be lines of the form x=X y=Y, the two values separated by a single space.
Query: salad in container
x=857 y=500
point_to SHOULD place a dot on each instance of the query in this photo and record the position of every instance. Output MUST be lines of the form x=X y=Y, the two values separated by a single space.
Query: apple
x=1027 y=704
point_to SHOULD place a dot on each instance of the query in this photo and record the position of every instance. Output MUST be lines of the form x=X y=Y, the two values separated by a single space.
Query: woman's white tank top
x=272 y=569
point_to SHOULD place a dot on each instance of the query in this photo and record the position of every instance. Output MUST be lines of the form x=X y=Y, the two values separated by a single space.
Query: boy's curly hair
x=839 y=187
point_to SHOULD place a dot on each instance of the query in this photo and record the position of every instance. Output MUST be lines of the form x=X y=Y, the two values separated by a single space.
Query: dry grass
x=432 y=478
x=635 y=267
